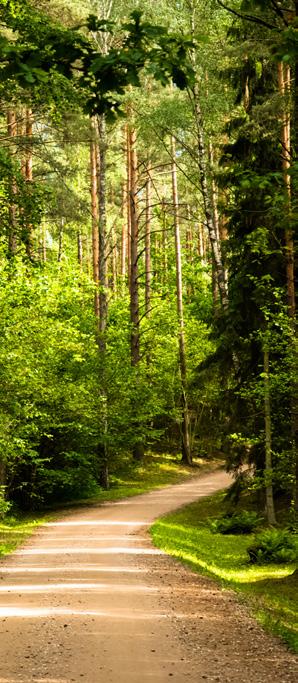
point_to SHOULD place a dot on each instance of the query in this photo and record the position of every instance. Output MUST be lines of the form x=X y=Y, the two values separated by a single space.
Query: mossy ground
x=271 y=590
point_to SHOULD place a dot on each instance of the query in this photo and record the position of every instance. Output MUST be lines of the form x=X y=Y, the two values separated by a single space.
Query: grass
x=270 y=590
x=131 y=479
x=156 y=471
x=14 y=530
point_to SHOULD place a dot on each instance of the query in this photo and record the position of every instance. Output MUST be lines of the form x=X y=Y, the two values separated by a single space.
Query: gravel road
x=88 y=598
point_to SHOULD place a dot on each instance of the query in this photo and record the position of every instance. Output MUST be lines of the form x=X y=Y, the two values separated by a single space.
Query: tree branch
x=248 y=17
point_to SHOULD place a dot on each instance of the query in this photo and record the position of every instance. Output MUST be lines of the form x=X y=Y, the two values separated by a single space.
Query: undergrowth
x=270 y=589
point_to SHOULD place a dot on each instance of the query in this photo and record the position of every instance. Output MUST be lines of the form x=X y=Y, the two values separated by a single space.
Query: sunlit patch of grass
x=270 y=589
x=14 y=531
x=156 y=471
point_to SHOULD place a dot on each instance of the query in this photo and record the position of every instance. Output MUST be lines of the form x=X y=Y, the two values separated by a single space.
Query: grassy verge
x=14 y=530
x=132 y=479
x=270 y=590
x=156 y=471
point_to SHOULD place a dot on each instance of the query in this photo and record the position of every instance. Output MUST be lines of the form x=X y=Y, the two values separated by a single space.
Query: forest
x=148 y=203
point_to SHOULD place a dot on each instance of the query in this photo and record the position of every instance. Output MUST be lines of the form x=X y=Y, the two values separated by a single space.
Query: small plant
x=273 y=546
x=4 y=504
x=243 y=522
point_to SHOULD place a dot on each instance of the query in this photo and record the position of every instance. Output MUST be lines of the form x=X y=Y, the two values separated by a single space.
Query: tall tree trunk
x=12 y=229
x=128 y=186
x=164 y=243
x=94 y=215
x=124 y=231
x=29 y=176
x=207 y=199
x=268 y=439
x=102 y=262
x=103 y=301
x=284 y=81
x=138 y=450
x=80 y=248
x=186 y=448
x=60 y=240
x=148 y=243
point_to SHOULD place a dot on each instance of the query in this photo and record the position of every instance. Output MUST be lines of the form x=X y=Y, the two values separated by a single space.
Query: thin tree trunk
x=268 y=439
x=103 y=301
x=207 y=200
x=102 y=261
x=60 y=240
x=124 y=232
x=94 y=216
x=284 y=81
x=164 y=243
x=148 y=244
x=186 y=449
x=80 y=248
x=29 y=175
x=114 y=261
x=128 y=185
x=12 y=230
x=138 y=449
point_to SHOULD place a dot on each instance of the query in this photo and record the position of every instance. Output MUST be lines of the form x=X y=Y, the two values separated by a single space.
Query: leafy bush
x=273 y=546
x=243 y=522
x=4 y=504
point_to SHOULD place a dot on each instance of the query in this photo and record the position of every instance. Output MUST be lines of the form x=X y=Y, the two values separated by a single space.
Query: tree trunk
x=186 y=449
x=268 y=438
x=148 y=244
x=164 y=243
x=12 y=229
x=102 y=261
x=284 y=82
x=29 y=176
x=124 y=232
x=138 y=450
x=60 y=241
x=94 y=216
x=128 y=187
x=207 y=200
x=80 y=249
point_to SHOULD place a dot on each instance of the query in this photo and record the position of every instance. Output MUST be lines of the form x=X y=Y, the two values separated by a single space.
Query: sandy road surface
x=89 y=599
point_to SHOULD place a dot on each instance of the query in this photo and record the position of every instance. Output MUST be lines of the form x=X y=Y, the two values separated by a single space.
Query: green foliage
x=243 y=522
x=274 y=546
x=270 y=589
x=5 y=505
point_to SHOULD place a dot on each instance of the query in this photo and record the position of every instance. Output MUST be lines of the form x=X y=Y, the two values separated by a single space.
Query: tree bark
x=124 y=232
x=29 y=176
x=148 y=243
x=138 y=449
x=268 y=439
x=128 y=187
x=60 y=240
x=94 y=216
x=207 y=200
x=102 y=261
x=284 y=83
x=80 y=248
x=186 y=448
x=12 y=228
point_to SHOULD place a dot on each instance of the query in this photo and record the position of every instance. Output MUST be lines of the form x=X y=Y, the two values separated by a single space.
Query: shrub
x=243 y=522
x=4 y=504
x=274 y=546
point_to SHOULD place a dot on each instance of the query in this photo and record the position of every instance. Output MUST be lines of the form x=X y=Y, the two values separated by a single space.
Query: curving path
x=89 y=599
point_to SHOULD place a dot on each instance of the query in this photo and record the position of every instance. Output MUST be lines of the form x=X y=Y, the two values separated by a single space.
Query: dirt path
x=89 y=599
